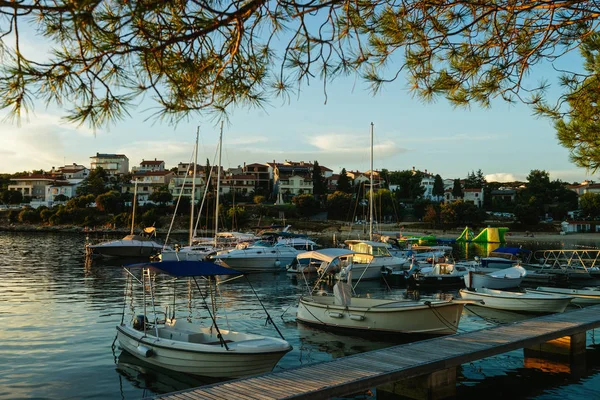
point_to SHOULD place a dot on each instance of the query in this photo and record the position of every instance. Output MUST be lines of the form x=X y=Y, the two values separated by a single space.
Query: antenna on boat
x=194 y=188
x=371 y=190
x=135 y=182
x=218 y=184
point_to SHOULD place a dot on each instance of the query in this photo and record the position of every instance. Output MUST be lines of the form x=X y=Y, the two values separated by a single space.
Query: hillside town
x=401 y=195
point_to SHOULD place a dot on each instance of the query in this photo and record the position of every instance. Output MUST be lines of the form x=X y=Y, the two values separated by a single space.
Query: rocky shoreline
x=342 y=233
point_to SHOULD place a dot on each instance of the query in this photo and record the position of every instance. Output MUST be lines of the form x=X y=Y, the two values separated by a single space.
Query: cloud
x=42 y=141
x=503 y=177
x=462 y=137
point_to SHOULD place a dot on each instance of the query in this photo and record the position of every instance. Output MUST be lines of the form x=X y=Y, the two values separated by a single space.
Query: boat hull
x=262 y=264
x=216 y=362
x=475 y=280
x=124 y=248
x=581 y=297
x=395 y=317
x=519 y=302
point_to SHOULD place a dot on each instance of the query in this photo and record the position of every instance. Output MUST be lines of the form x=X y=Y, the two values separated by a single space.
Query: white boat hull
x=380 y=316
x=212 y=360
x=582 y=297
x=502 y=279
x=253 y=260
x=516 y=301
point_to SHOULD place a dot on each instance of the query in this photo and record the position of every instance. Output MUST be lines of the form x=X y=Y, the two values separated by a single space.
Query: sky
x=506 y=141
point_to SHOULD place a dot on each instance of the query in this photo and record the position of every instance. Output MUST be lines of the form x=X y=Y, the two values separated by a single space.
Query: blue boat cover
x=510 y=250
x=187 y=268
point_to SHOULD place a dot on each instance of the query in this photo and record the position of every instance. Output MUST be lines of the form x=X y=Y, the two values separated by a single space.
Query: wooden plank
x=247 y=387
x=361 y=371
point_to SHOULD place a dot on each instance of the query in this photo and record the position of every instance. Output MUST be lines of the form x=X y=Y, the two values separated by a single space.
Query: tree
x=590 y=204
x=11 y=197
x=343 y=183
x=438 y=187
x=475 y=180
x=110 y=202
x=339 y=206
x=409 y=184
x=578 y=129
x=306 y=204
x=431 y=215
x=210 y=56
x=162 y=196
x=94 y=184
x=457 y=191
x=106 y=55
x=319 y=185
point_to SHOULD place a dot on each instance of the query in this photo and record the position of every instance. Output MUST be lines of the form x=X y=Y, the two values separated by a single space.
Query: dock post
x=565 y=354
x=435 y=386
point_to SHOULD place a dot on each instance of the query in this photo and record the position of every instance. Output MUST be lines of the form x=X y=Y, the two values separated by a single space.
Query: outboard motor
x=138 y=322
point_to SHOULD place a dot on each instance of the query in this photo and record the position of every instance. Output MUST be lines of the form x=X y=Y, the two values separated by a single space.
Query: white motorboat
x=371 y=258
x=502 y=279
x=261 y=256
x=518 y=301
x=130 y=246
x=355 y=314
x=440 y=275
x=581 y=297
x=182 y=346
x=330 y=260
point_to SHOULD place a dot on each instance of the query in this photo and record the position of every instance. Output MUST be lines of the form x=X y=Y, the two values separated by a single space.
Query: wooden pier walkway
x=361 y=372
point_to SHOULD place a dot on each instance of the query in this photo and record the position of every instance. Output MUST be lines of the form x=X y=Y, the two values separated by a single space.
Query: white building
x=113 y=164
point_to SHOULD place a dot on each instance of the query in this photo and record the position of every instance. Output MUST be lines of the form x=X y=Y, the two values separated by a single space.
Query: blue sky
x=506 y=142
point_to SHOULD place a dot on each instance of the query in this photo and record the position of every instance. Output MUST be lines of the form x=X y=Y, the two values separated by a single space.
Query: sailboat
x=199 y=250
x=132 y=245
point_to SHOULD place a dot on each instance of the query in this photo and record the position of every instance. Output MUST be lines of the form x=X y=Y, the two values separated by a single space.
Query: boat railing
x=569 y=259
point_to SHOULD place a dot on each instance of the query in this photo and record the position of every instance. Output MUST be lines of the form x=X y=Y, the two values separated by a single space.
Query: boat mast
x=194 y=188
x=134 y=203
x=218 y=184
x=371 y=191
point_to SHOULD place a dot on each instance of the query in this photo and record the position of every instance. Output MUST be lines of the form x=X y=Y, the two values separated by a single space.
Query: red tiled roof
x=34 y=177
x=255 y=165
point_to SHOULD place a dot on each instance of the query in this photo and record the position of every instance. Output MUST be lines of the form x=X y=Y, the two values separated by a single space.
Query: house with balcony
x=263 y=176
x=291 y=179
x=60 y=188
x=240 y=184
x=149 y=166
x=113 y=164
x=181 y=185
x=74 y=173
x=148 y=182
x=34 y=185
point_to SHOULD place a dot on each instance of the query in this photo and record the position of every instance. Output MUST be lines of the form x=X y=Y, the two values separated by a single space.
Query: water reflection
x=59 y=315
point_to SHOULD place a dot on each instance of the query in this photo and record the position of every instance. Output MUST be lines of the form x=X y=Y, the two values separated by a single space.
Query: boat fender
x=277 y=263
x=357 y=317
x=144 y=351
x=336 y=315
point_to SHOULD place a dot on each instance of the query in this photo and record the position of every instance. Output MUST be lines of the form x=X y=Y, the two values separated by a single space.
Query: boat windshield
x=375 y=251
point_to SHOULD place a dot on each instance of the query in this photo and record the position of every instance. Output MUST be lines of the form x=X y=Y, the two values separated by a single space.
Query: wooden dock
x=361 y=372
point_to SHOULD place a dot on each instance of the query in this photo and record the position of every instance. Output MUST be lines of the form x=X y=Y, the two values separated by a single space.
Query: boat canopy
x=511 y=250
x=327 y=255
x=187 y=268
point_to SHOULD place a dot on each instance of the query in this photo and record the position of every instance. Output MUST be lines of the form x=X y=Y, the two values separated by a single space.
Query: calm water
x=58 y=317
